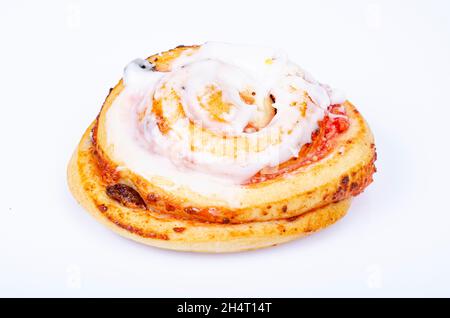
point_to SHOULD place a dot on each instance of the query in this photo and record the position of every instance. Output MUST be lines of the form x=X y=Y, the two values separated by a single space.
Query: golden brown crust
x=151 y=228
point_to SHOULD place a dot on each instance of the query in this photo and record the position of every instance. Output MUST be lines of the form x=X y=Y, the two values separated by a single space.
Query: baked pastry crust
x=157 y=230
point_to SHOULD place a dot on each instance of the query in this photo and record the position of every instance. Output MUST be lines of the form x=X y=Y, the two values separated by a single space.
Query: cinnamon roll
x=221 y=148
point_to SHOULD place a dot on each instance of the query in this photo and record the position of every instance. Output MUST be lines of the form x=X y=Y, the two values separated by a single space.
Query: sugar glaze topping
x=230 y=110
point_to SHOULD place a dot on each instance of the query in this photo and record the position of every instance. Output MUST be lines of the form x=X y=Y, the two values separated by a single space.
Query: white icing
x=168 y=159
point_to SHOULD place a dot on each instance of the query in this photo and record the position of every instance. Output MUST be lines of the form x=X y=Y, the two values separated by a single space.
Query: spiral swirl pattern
x=226 y=111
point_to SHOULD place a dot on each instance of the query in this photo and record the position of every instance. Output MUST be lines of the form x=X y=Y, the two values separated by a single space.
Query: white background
x=57 y=62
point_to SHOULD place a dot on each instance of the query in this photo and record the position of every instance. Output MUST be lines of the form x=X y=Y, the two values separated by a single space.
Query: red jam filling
x=322 y=142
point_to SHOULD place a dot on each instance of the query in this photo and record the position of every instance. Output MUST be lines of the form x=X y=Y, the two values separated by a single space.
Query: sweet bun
x=202 y=149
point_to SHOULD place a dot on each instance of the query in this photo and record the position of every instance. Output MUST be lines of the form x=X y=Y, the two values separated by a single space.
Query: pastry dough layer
x=144 y=226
